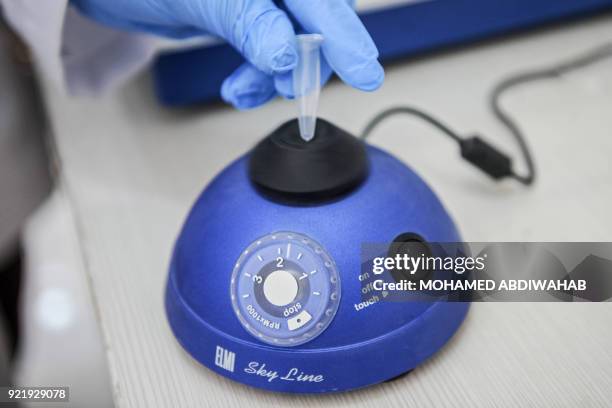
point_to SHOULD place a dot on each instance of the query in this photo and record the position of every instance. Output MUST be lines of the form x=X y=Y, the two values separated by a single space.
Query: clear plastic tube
x=307 y=82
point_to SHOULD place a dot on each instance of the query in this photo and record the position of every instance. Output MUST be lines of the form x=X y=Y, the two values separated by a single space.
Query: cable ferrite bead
x=486 y=157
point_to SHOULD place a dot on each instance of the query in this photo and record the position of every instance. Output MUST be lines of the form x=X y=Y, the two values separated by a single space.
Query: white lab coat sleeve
x=82 y=55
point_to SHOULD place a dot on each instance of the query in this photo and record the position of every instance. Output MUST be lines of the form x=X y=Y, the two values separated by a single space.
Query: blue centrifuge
x=264 y=281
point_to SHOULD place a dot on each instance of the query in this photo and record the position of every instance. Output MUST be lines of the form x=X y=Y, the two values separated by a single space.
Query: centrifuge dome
x=388 y=338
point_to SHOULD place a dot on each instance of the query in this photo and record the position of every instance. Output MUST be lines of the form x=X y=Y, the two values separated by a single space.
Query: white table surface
x=132 y=169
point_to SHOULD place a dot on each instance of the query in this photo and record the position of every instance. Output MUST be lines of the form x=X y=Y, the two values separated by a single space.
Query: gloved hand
x=262 y=32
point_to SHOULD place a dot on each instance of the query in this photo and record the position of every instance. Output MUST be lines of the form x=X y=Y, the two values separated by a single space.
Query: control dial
x=285 y=289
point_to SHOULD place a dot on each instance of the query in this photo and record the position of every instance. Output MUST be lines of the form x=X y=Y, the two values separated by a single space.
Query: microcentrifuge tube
x=307 y=82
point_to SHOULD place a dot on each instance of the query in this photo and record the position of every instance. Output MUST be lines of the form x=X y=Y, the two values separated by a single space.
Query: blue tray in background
x=399 y=31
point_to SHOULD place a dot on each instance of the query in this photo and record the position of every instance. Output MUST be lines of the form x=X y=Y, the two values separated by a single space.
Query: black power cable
x=477 y=151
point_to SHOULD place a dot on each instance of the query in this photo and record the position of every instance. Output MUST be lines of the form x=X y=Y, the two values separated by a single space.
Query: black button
x=414 y=246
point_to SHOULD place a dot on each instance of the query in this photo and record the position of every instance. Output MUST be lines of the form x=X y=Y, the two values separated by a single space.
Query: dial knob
x=285 y=289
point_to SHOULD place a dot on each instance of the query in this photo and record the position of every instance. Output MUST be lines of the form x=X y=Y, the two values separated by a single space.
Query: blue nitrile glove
x=263 y=34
